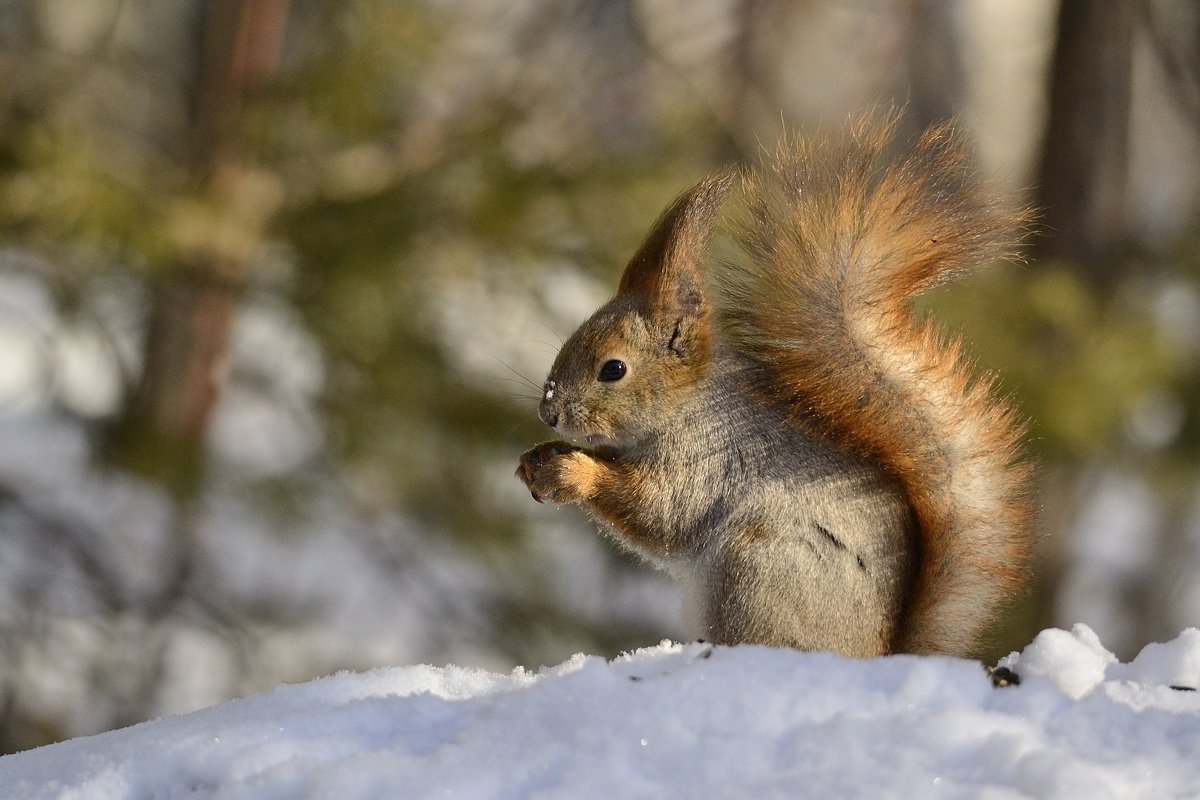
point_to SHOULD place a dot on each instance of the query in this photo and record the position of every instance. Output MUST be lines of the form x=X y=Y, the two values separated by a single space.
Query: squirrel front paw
x=556 y=471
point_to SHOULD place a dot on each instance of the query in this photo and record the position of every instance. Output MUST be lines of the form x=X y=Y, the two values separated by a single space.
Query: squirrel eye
x=612 y=371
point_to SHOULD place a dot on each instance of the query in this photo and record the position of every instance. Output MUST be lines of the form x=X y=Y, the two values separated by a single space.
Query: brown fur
x=841 y=241
x=819 y=467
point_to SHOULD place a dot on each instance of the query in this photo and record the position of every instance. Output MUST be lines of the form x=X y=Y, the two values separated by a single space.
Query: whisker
x=531 y=387
x=514 y=427
x=537 y=387
x=556 y=334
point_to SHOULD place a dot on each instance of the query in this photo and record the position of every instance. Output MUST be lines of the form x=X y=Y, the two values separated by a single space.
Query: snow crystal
x=1175 y=663
x=1074 y=662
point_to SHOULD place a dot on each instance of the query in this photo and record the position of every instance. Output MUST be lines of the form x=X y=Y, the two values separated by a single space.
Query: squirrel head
x=650 y=345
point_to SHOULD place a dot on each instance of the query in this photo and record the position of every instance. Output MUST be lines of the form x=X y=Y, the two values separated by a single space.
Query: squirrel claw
x=540 y=469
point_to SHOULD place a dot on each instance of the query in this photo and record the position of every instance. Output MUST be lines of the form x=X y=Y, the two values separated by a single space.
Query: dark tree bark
x=935 y=67
x=1083 y=176
x=162 y=427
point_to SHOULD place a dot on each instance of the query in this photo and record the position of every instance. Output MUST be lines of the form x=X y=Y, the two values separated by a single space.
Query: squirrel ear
x=666 y=268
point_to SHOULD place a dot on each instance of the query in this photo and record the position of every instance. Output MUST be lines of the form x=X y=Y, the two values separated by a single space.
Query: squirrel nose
x=545 y=411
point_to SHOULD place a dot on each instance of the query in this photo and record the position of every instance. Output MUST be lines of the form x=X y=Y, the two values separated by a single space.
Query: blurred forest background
x=271 y=272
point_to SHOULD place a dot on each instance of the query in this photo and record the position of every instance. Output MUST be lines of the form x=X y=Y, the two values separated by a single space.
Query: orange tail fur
x=840 y=240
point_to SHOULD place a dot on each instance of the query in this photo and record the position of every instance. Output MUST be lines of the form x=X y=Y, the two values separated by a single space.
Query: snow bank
x=677 y=721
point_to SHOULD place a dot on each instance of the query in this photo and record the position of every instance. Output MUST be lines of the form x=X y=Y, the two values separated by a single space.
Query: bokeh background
x=278 y=280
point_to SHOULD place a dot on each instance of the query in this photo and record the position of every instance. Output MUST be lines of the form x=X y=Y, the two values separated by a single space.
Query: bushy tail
x=841 y=238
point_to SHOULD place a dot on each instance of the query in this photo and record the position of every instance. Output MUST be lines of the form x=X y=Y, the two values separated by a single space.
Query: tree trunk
x=162 y=427
x=1084 y=167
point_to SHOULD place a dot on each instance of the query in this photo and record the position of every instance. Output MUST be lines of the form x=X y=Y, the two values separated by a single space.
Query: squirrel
x=812 y=460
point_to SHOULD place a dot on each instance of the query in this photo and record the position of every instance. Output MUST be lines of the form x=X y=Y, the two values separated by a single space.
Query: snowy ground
x=674 y=721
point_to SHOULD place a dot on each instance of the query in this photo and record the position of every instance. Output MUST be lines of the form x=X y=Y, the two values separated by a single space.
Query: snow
x=673 y=720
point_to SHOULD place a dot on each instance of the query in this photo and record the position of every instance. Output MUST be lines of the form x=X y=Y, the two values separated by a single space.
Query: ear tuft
x=666 y=268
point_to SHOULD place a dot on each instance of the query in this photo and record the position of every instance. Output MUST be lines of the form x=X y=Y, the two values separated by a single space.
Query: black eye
x=612 y=371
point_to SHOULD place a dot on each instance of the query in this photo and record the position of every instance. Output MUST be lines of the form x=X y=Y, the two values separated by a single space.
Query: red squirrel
x=779 y=431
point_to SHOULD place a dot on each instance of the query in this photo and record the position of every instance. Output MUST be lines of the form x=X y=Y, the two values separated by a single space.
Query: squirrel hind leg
x=768 y=587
